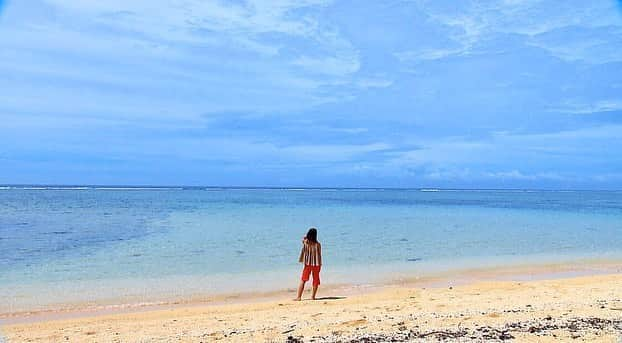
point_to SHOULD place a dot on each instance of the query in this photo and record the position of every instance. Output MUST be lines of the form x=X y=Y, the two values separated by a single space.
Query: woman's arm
x=320 y=251
x=302 y=250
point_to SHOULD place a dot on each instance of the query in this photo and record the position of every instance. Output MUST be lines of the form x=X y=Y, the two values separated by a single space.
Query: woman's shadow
x=330 y=298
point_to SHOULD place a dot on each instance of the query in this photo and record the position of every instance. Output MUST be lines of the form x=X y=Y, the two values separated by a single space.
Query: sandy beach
x=587 y=308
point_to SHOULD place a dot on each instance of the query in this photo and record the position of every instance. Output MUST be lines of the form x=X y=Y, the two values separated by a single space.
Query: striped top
x=311 y=253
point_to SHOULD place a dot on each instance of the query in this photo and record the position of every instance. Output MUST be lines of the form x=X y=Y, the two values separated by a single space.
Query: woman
x=311 y=256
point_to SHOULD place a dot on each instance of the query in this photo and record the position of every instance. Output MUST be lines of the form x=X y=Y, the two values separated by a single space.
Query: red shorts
x=316 y=274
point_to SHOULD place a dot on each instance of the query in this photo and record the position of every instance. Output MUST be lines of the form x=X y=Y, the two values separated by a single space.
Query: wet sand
x=530 y=309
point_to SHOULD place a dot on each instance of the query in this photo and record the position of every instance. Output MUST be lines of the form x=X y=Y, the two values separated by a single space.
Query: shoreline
x=583 y=307
x=447 y=278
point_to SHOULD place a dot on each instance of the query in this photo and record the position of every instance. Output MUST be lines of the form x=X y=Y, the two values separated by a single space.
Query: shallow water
x=80 y=244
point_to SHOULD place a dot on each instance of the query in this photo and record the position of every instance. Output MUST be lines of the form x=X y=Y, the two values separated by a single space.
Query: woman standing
x=311 y=256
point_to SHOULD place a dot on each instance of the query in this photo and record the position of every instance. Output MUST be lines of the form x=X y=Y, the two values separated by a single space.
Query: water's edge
x=445 y=278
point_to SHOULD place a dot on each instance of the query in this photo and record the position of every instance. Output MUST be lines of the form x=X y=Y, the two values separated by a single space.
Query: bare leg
x=314 y=292
x=301 y=289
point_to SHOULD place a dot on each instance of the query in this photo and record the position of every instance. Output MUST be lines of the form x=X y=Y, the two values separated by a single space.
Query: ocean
x=72 y=245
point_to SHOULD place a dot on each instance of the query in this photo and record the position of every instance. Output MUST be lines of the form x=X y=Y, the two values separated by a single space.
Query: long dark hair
x=312 y=235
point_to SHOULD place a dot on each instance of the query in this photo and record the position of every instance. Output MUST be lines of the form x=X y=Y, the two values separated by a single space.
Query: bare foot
x=313 y=299
x=297 y=299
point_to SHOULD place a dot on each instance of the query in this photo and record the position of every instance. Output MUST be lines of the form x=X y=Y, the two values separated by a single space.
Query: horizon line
x=190 y=187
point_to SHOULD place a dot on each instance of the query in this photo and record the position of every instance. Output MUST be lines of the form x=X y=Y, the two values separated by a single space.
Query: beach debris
x=576 y=328
x=292 y=339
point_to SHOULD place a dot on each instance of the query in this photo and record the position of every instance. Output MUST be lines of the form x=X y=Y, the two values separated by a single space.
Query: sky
x=315 y=93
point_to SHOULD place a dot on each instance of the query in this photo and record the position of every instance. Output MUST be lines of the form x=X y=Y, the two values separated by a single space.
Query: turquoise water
x=89 y=243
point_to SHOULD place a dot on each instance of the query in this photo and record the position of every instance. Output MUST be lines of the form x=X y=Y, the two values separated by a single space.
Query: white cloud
x=575 y=107
x=603 y=132
x=332 y=152
x=553 y=156
x=442 y=152
x=607 y=177
x=194 y=22
x=338 y=66
x=173 y=58
x=466 y=174
x=340 y=59
x=349 y=130
x=427 y=54
x=238 y=151
x=179 y=19
x=518 y=175
x=449 y=174
x=467 y=24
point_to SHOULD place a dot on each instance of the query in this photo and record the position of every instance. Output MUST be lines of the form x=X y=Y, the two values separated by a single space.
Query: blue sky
x=470 y=94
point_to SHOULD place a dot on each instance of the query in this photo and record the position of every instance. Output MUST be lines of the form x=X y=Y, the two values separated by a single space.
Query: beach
x=586 y=308
x=202 y=264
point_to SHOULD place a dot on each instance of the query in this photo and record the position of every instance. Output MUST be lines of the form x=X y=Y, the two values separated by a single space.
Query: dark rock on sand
x=576 y=327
